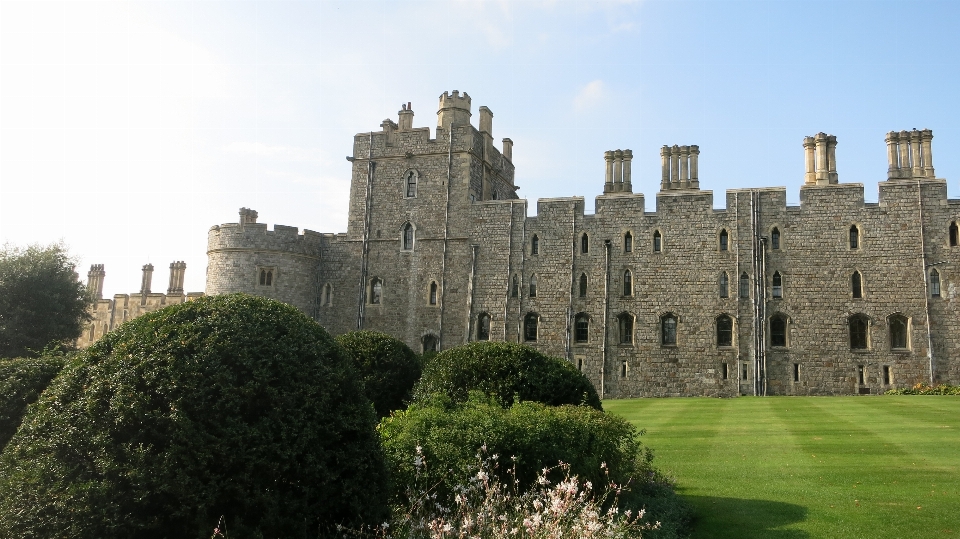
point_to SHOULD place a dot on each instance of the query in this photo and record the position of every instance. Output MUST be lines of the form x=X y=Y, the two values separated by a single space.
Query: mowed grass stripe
x=791 y=467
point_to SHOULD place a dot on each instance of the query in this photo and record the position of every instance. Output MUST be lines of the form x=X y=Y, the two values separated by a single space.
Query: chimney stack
x=147 y=279
x=680 y=167
x=177 y=269
x=95 y=281
x=909 y=154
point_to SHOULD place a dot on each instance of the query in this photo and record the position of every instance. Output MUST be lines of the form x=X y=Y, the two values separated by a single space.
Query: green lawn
x=798 y=467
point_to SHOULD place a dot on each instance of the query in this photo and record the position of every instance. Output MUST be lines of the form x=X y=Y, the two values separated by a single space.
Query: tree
x=387 y=366
x=226 y=405
x=22 y=380
x=42 y=300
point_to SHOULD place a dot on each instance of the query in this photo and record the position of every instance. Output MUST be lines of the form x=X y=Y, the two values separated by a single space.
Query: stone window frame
x=776 y=290
x=628 y=285
x=326 y=295
x=411 y=183
x=375 y=295
x=535 y=245
x=796 y=373
x=583 y=285
x=267 y=276
x=886 y=375
x=717 y=333
x=859 y=336
x=624 y=369
x=935 y=283
x=532 y=286
x=483 y=331
x=515 y=286
x=773 y=340
x=892 y=319
x=627 y=241
x=953 y=234
x=408 y=243
x=723 y=285
x=433 y=294
x=429 y=338
x=776 y=238
x=584 y=243
x=581 y=328
x=531 y=326
x=723 y=240
x=668 y=338
x=854 y=237
x=657 y=243
x=626 y=328
x=856 y=284
x=741 y=288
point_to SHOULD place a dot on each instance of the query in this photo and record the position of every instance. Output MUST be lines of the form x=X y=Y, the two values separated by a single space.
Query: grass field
x=809 y=467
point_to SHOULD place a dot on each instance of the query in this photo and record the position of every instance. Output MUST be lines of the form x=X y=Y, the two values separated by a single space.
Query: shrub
x=505 y=371
x=22 y=380
x=925 y=389
x=227 y=405
x=387 y=367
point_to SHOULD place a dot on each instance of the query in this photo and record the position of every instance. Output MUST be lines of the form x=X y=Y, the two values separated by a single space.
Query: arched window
x=668 y=330
x=376 y=290
x=533 y=286
x=515 y=288
x=411 y=184
x=433 y=293
x=326 y=298
x=954 y=234
x=724 y=285
x=408 y=237
x=266 y=277
x=483 y=327
x=535 y=245
x=859 y=324
x=625 y=327
x=744 y=285
x=898 y=332
x=583 y=285
x=854 y=237
x=778 y=330
x=724 y=240
x=429 y=343
x=581 y=328
x=934 y=283
x=530 y=323
x=627 y=283
x=657 y=241
x=856 y=284
x=584 y=243
x=724 y=330
x=628 y=243
x=777 y=285
x=775 y=238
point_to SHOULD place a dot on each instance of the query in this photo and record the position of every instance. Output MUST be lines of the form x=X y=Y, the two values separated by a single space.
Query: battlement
x=454 y=110
x=257 y=236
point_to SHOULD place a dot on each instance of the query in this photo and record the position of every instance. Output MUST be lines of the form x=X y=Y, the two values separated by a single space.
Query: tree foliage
x=41 y=299
x=227 y=405
x=22 y=380
x=387 y=367
x=504 y=371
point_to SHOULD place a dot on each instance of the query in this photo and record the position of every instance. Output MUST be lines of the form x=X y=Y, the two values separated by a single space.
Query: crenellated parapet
x=249 y=235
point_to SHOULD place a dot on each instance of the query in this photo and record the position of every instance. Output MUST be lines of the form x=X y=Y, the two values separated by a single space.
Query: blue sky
x=127 y=129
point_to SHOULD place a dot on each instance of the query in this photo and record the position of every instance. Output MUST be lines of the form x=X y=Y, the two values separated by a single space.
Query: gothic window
x=777 y=285
x=724 y=330
x=744 y=285
x=796 y=372
x=533 y=286
x=583 y=285
x=628 y=243
x=535 y=245
x=515 y=288
x=887 y=376
x=326 y=298
x=584 y=244
x=530 y=323
x=778 y=330
x=854 y=237
x=581 y=328
x=858 y=331
x=668 y=330
x=408 y=237
x=954 y=234
x=430 y=343
x=657 y=242
x=433 y=293
x=724 y=240
x=724 y=285
x=376 y=291
x=856 y=284
x=625 y=327
x=483 y=327
x=627 y=283
x=266 y=276
x=898 y=332
x=411 y=181
x=775 y=238
x=934 y=283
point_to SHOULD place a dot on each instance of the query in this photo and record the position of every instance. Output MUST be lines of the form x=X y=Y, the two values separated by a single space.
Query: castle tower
x=454 y=110
x=95 y=281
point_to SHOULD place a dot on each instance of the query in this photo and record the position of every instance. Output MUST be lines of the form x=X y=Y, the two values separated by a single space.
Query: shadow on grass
x=745 y=519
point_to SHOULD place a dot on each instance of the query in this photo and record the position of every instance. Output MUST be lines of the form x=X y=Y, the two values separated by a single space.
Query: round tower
x=280 y=264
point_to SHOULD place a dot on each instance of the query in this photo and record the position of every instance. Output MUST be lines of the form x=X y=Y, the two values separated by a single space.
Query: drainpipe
x=759 y=299
x=523 y=269
x=365 y=248
x=926 y=284
x=606 y=313
x=573 y=256
x=470 y=286
x=446 y=235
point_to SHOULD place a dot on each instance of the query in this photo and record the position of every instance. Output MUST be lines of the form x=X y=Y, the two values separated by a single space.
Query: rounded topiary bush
x=387 y=367
x=229 y=405
x=503 y=371
x=22 y=380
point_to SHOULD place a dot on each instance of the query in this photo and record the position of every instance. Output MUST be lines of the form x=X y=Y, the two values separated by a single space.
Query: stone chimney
x=618 y=171
x=147 y=279
x=406 y=117
x=680 y=167
x=247 y=217
x=820 y=160
x=177 y=269
x=507 y=149
x=95 y=281
x=910 y=154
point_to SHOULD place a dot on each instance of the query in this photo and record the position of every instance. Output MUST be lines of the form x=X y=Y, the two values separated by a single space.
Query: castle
x=834 y=296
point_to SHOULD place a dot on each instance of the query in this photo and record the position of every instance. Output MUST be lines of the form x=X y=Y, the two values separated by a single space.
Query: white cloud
x=589 y=95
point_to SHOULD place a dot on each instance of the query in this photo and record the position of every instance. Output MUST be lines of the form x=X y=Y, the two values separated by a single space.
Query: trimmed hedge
x=227 y=405
x=504 y=371
x=388 y=368
x=22 y=380
x=925 y=389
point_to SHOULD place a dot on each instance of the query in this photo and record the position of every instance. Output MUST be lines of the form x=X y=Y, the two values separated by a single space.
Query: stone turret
x=95 y=281
x=454 y=110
